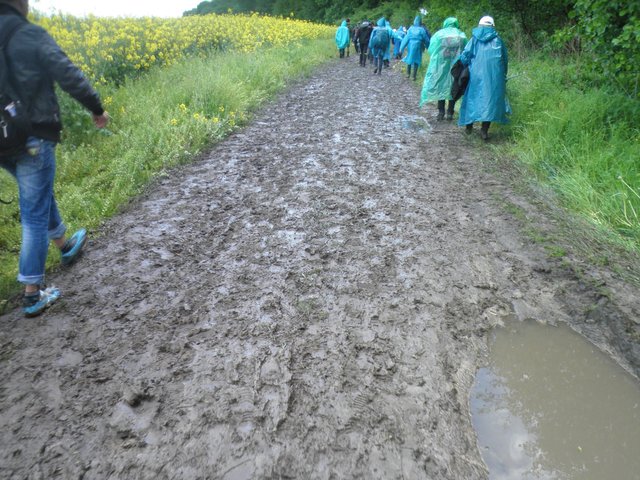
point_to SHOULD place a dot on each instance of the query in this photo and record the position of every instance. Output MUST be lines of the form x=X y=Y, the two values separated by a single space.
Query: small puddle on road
x=414 y=123
x=550 y=405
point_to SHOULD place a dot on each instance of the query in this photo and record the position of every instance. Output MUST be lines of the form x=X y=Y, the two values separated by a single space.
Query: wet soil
x=311 y=299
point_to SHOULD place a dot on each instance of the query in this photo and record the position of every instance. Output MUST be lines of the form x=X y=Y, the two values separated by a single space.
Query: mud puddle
x=550 y=405
x=414 y=123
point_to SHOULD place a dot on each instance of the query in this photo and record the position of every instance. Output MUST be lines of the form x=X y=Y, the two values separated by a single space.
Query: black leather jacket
x=36 y=62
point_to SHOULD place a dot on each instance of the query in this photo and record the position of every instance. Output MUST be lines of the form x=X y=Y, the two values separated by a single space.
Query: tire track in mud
x=310 y=300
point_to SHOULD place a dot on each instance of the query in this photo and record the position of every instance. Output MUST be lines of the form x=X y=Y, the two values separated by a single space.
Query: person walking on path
x=342 y=38
x=417 y=40
x=364 y=35
x=485 y=97
x=397 y=41
x=386 y=58
x=379 y=44
x=445 y=47
x=35 y=62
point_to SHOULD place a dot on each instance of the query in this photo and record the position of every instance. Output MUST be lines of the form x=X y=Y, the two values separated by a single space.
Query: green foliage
x=583 y=140
x=202 y=100
x=610 y=30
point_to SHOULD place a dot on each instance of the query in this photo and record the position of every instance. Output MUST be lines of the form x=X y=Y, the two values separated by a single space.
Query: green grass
x=581 y=139
x=160 y=121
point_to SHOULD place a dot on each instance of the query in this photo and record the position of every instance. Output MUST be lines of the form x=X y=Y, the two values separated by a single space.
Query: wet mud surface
x=310 y=300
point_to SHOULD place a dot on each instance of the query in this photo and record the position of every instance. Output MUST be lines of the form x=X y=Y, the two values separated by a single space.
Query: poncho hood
x=417 y=21
x=382 y=22
x=450 y=22
x=344 y=23
x=484 y=34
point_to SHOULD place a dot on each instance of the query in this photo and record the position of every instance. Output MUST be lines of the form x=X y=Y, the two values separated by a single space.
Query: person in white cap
x=485 y=97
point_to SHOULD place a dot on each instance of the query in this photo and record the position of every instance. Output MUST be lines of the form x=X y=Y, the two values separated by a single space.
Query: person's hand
x=101 y=121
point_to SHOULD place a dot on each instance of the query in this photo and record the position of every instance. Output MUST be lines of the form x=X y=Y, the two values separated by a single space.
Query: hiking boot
x=484 y=135
x=468 y=128
x=449 y=116
x=440 y=116
x=375 y=70
x=73 y=247
x=34 y=305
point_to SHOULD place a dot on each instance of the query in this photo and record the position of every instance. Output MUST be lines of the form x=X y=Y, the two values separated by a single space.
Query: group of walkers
x=475 y=70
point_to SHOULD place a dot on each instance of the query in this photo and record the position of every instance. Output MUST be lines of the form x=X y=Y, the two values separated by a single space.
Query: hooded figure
x=485 y=97
x=445 y=47
x=342 y=37
x=417 y=39
x=364 y=35
x=387 y=52
x=379 y=44
x=397 y=40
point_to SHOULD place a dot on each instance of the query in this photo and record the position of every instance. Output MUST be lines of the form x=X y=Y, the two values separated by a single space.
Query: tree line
x=605 y=32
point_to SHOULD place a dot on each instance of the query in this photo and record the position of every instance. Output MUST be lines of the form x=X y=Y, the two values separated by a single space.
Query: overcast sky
x=116 y=8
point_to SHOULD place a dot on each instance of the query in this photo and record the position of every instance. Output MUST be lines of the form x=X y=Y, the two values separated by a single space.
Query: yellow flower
x=174 y=122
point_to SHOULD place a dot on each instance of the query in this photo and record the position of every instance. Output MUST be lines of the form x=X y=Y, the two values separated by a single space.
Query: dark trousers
x=449 y=109
x=378 y=63
x=415 y=70
x=363 y=56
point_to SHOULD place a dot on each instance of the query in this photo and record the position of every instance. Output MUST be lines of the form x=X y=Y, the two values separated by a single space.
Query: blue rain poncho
x=342 y=35
x=445 y=47
x=397 y=39
x=378 y=52
x=485 y=97
x=417 y=39
x=387 y=52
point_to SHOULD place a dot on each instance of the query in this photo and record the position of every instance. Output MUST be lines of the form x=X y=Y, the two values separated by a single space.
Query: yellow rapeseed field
x=110 y=49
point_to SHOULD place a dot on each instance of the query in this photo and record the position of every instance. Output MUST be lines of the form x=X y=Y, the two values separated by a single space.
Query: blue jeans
x=39 y=214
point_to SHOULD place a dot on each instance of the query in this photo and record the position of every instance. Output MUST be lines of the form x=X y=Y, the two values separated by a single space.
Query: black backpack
x=15 y=125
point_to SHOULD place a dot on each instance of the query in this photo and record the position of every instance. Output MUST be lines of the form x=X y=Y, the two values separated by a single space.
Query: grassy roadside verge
x=162 y=120
x=582 y=141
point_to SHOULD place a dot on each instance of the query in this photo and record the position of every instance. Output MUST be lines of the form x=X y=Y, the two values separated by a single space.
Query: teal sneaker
x=34 y=306
x=73 y=247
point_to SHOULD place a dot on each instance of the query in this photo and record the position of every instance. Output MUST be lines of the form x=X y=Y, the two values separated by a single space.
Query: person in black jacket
x=364 y=34
x=35 y=63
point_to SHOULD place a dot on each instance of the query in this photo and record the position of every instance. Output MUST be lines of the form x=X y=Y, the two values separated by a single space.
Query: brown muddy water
x=550 y=405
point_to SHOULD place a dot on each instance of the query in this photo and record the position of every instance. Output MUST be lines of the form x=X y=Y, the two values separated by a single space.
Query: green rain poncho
x=445 y=47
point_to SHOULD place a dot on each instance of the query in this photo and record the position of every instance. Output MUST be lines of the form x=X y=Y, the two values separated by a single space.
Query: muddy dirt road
x=310 y=300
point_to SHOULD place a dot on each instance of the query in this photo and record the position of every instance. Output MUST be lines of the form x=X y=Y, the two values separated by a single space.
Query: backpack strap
x=11 y=26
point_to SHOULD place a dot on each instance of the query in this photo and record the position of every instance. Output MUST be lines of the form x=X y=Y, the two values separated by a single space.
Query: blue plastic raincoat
x=445 y=47
x=379 y=52
x=387 y=52
x=485 y=97
x=397 y=39
x=417 y=39
x=342 y=36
